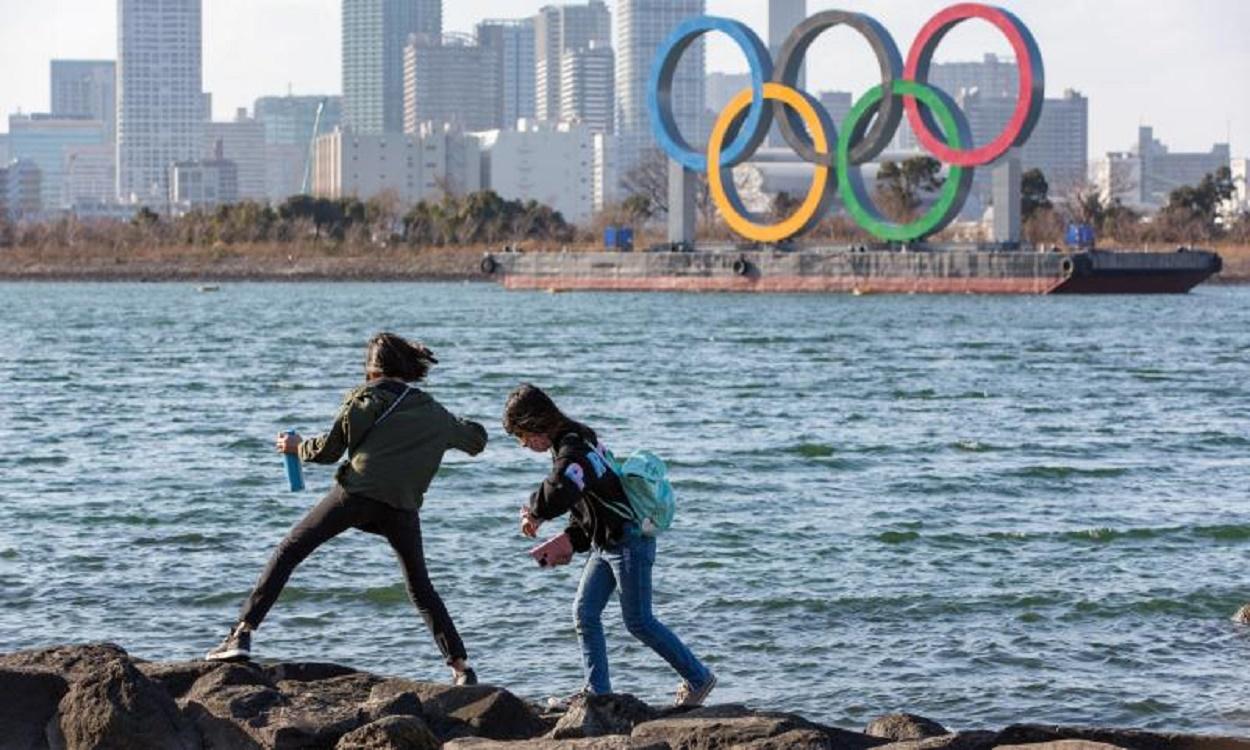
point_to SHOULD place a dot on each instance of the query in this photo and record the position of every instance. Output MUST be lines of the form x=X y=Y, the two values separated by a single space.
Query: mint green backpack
x=645 y=479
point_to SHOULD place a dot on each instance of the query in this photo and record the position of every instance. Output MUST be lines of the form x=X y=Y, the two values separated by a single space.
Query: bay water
x=979 y=509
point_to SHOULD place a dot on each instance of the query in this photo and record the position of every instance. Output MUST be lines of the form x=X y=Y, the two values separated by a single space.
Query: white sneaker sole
x=234 y=654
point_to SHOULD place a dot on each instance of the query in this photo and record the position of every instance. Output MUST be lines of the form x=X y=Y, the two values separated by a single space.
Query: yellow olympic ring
x=768 y=233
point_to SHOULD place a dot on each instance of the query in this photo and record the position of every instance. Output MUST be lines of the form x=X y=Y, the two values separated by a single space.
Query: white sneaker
x=689 y=697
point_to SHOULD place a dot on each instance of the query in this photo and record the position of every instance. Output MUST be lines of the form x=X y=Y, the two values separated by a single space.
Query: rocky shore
x=98 y=696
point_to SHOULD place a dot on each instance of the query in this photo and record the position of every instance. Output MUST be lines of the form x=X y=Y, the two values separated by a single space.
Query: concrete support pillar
x=681 y=209
x=1006 y=198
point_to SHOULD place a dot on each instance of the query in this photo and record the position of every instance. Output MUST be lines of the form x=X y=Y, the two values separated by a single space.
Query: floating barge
x=860 y=270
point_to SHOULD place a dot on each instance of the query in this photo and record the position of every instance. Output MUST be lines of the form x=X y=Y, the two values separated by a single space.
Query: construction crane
x=308 y=160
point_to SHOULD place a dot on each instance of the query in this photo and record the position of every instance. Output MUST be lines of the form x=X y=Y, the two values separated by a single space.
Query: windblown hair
x=392 y=356
x=531 y=411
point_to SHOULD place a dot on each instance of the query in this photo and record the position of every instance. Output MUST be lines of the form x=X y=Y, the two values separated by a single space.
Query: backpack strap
x=389 y=410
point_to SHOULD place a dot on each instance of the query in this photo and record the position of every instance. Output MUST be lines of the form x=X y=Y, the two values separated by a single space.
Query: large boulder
x=390 y=733
x=117 y=706
x=292 y=705
x=30 y=698
x=902 y=726
x=598 y=715
x=716 y=727
x=478 y=711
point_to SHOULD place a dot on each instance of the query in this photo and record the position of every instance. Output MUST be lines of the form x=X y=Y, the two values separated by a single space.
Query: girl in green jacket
x=395 y=436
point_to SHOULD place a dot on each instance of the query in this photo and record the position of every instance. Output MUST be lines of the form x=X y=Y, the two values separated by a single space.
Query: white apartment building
x=553 y=165
x=587 y=87
x=641 y=27
x=412 y=166
x=160 y=103
x=451 y=80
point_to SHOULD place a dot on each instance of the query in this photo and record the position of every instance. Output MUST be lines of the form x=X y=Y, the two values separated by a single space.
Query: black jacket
x=584 y=486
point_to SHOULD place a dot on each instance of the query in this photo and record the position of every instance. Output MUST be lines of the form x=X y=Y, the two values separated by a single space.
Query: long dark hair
x=531 y=411
x=392 y=356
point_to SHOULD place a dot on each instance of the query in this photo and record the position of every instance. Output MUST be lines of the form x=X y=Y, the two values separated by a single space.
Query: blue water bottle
x=294 y=469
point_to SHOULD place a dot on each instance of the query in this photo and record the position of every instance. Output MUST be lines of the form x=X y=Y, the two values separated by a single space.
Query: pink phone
x=557 y=550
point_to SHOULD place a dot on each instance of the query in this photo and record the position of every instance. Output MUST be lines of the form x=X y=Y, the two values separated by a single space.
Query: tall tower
x=641 y=27
x=85 y=88
x=160 y=102
x=783 y=17
x=374 y=35
x=559 y=29
x=511 y=43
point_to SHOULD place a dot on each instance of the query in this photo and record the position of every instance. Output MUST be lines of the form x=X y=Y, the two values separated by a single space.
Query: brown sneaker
x=689 y=697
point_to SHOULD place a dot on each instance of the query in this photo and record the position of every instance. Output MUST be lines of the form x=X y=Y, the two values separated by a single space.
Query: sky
x=1183 y=67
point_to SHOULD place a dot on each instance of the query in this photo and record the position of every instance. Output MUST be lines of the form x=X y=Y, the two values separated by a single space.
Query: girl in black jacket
x=583 y=484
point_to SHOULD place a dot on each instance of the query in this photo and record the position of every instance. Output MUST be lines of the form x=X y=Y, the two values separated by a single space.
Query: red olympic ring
x=1029 y=96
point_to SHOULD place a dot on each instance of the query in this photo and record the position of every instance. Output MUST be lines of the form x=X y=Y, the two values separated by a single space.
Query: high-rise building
x=86 y=88
x=90 y=175
x=553 y=165
x=1058 y=146
x=449 y=81
x=241 y=141
x=559 y=29
x=720 y=88
x=375 y=33
x=586 y=87
x=20 y=190
x=4 y=149
x=1164 y=171
x=411 y=166
x=511 y=42
x=46 y=140
x=783 y=17
x=1240 y=171
x=160 y=103
x=289 y=122
x=202 y=183
x=290 y=119
x=641 y=27
x=837 y=104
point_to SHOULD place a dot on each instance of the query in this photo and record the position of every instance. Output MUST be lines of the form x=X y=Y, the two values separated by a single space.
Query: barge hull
x=928 y=271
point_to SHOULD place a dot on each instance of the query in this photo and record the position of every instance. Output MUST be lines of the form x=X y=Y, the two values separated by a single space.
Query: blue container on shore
x=294 y=469
x=1079 y=235
x=618 y=238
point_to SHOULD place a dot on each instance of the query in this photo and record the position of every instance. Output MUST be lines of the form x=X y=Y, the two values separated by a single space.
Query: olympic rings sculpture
x=940 y=126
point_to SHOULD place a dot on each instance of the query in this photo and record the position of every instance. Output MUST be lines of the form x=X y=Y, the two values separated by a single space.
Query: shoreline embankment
x=97 y=695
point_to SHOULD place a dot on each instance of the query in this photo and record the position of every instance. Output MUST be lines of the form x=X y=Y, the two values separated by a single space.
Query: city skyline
x=1151 y=52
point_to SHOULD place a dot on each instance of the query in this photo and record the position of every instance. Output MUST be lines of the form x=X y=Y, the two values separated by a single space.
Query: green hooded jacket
x=394 y=461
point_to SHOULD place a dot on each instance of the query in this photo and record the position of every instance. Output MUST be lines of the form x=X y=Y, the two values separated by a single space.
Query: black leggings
x=337 y=512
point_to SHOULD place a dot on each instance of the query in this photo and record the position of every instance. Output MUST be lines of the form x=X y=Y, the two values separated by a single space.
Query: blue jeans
x=629 y=565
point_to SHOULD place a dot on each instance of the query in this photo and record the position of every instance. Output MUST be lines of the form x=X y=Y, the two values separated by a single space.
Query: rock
x=70 y=662
x=610 y=742
x=390 y=733
x=176 y=677
x=478 y=711
x=903 y=726
x=1132 y=739
x=978 y=740
x=1243 y=615
x=716 y=727
x=245 y=705
x=30 y=701
x=598 y=715
x=116 y=705
x=1062 y=745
